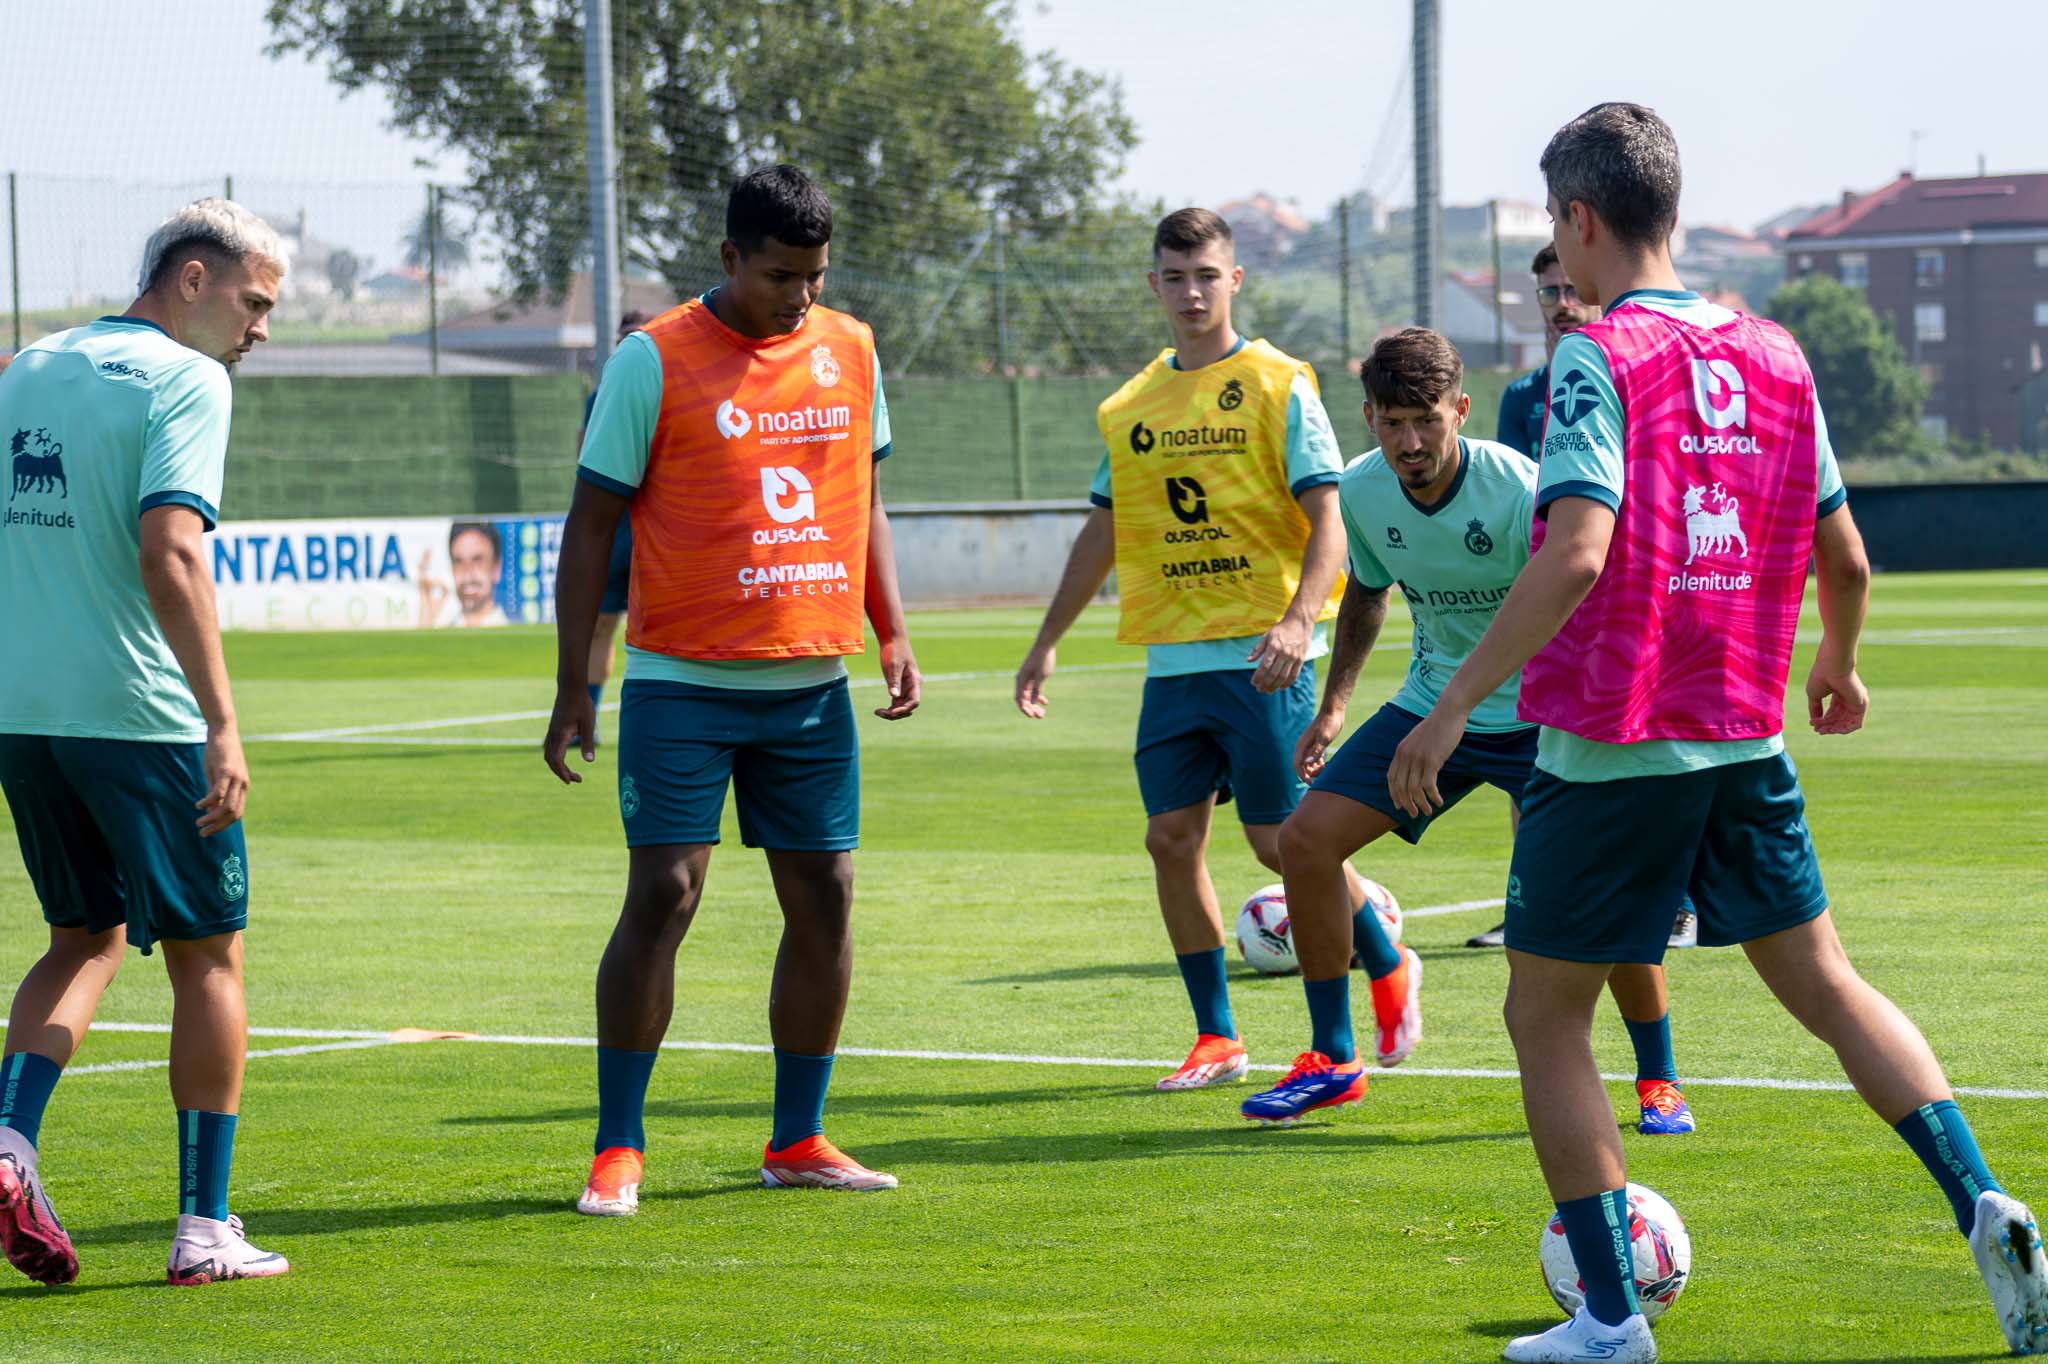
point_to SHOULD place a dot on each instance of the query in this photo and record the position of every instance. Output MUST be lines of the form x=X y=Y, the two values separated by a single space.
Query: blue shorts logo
x=629 y=797
x=38 y=469
x=1574 y=397
x=234 y=879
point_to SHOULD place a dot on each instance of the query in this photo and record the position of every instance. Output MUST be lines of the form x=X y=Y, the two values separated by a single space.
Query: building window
x=1929 y=268
x=2041 y=314
x=1854 y=269
x=2041 y=258
x=1934 y=427
x=1930 y=322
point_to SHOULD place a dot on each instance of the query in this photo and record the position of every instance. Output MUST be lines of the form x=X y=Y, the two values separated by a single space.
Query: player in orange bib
x=741 y=430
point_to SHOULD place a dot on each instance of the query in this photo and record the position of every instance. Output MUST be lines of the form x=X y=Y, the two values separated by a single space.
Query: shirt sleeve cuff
x=1577 y=487
x=1832 y=503
x=207 y=512
x=1314 y=480
x=598 y=480
x=883 y=453
x=1096 y=499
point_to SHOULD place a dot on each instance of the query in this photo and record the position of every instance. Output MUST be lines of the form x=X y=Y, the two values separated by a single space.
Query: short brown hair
x=1545 y=258
x=1621 y=161
x=1415 y=367
x=1188 y=229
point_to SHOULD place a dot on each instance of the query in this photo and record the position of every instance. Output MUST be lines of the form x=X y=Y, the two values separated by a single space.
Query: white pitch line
x=359 y=1039
x=104 y=1067
x=374 y=733
x=1456 y=907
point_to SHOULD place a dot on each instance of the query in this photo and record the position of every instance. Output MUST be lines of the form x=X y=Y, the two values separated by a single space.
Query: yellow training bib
x=1209 y=537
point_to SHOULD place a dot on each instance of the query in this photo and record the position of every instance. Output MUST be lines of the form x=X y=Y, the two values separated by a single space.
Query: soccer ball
x=1263 y=936
x=1658 y=1240
x=1386 y=906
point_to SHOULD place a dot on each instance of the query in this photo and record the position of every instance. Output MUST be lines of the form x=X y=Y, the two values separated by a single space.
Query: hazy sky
x=1776 y=103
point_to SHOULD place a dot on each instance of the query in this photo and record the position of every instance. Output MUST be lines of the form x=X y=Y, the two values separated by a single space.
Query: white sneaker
x=1584 y=1339
x=1685 y=930
x=2007 y=1245
x=206 y=1251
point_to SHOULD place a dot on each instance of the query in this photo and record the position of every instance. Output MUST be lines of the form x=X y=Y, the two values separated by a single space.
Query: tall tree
x=1871 y=395
x=918 y=116
x=446 y=243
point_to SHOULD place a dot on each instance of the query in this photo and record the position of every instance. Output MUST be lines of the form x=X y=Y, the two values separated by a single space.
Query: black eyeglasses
x=1548 y=294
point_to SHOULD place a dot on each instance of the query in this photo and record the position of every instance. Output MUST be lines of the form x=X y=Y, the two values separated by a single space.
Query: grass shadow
x=1129 y=970
x=1055 y=1148
x=46 y=1292
x=849 y=1102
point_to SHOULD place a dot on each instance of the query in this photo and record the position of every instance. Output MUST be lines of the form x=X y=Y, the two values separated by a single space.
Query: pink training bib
x=1688 y=633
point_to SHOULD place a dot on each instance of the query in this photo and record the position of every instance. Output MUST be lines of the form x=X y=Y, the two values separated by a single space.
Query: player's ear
x=1152 y=278
x=1236 y=278
x=1464 y=408
x=191 y=280
x=729 y=257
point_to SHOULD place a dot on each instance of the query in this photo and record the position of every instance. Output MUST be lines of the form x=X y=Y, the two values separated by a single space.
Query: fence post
x=14 y=259
x=433 y=289
x=1344 y=279
x=1500 y=335
x=227 y=187
x=1023 y=483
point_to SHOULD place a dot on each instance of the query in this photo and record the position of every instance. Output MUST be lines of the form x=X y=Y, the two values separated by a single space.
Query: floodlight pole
x=1500 y=326
x=604 y=202
x=1428 y=171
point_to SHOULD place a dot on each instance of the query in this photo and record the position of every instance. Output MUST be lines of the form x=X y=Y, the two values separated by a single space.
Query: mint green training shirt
x=103 y=423
x=1455 y=562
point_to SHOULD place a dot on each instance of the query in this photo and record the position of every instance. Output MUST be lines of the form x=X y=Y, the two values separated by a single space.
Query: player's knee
x=661 y=892
x=1174 y=844
x=1301 y=845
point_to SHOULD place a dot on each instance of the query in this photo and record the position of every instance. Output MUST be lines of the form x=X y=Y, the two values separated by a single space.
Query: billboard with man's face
x=389 y=573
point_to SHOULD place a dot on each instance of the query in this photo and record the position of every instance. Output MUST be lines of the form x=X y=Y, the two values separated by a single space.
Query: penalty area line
x=362 y=1039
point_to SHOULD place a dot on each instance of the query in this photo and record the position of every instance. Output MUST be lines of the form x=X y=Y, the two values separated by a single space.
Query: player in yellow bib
x=1216 y=503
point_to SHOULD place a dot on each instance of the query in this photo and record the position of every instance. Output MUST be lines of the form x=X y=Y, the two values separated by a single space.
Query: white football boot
x=1583 y=1340
x=2007 y=1245
x=206 y=1251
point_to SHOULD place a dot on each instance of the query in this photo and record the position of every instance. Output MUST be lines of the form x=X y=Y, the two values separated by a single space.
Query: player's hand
x=575 y=718
x=227 y=781
x=433 y=592
x=1411 y=777
x=1836 y=700
x=1280 y=653
x=1031 y=680
x=1312 y=749
x=900 y=676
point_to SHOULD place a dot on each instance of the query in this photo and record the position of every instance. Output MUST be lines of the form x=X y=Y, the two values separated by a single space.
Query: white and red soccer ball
x=1658 y=1241
x=1264 y=936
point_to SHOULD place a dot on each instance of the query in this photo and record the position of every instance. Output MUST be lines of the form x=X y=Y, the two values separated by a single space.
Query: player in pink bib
x=1686 y=479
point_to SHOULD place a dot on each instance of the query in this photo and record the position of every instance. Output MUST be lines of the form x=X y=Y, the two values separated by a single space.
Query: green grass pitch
x=1049 y=1211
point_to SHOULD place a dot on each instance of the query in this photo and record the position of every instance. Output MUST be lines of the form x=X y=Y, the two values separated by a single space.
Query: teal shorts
x=1358 y=772
x=791 y=757
x=1214 y=733
x=108 y=830
x=1601 y=867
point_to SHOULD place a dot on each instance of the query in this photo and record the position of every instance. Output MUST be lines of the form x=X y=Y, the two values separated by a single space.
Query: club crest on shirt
x=1476 y=538
x=1232 y=396
x=824 y=369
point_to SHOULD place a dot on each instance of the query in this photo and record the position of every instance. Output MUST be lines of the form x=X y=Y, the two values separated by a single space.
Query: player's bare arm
x=1088 y=566
x=885 y=612
x=1836 y=700
x=580 y=568
x=1543 y=598
x=1360 y=617
x=181 y=593
x=1282 y=650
